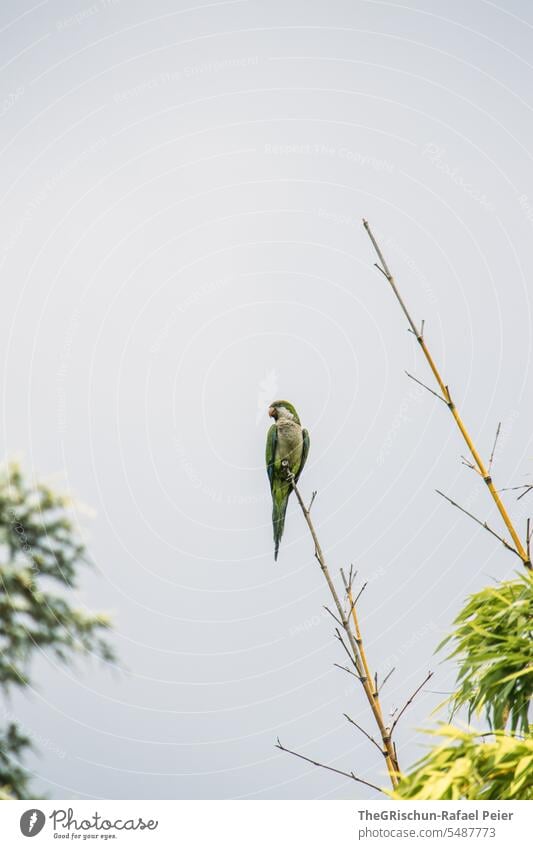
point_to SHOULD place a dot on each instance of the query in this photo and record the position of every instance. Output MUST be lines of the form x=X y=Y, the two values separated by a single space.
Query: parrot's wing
x=270 y=453
x=305 y=452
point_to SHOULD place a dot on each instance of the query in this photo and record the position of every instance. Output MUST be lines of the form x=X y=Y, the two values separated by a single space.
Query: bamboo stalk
x=521 y=550
x=389 y=753
x=360 y=644
x=375 y=694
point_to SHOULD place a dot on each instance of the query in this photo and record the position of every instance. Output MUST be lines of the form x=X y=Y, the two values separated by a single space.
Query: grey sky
x=180 y=200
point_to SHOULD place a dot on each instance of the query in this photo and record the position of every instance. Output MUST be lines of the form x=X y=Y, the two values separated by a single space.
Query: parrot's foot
x=289 y=474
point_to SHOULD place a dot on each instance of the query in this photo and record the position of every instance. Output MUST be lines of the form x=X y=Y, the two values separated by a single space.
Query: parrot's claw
x=290 y=475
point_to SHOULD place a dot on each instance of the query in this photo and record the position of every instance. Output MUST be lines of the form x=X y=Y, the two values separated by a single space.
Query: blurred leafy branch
x=467 y=765
x=493 y=644
x=40 y=550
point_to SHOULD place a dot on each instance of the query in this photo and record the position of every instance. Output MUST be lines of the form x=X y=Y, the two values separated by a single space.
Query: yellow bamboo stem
x=391 y=760
x=373 y=695
x=359 y=639
x=521 y=550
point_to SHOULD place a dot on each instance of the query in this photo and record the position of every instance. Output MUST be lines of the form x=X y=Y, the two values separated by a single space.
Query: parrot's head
x=283 y=410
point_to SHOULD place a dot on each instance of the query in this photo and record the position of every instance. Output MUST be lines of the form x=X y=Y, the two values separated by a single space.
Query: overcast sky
x=182 y=188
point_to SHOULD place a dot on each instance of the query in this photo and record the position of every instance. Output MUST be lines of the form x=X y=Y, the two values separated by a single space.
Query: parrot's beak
x=272 y=412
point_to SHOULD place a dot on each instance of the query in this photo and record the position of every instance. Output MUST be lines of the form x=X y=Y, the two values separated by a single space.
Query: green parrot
x=286 y=440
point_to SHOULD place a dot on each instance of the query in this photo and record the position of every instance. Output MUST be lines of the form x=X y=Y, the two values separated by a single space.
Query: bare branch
x=390 y=278
x=330 y=768
x=348 y=652
x=409 y=700
x=313 y=496
x=345 y=669
x=494 y=446
x=343 y=576
x=367 y=735
x=436 y=394
x=470 y=465
x=387 y=676
x=527 y=487
x=334 y=617
x=479 y=522
x=351 y=575
x=356 y=599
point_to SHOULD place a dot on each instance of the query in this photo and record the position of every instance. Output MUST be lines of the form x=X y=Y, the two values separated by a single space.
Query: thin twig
x=362 y=730
x=440 y=692
x=334 y=617
x=345 y=669
x=313 y=496
x=494 y=446
x=527 y=487
x=436 y=394
x=348 y=652
x=356 y=599
x=479 y=522
x=409 y=700
x=470 y=465
x=331 y=768
x=387 y=676
x=352 y=575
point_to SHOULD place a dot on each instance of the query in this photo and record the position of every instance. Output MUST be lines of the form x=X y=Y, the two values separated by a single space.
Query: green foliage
x=472 y=766
x=39 y=551
x=493 y=642
x=13 y=777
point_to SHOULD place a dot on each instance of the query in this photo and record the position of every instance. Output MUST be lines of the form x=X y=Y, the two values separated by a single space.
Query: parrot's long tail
x=279 y=508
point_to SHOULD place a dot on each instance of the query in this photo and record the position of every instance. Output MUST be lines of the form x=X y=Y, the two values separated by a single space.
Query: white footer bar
x=266 y=824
